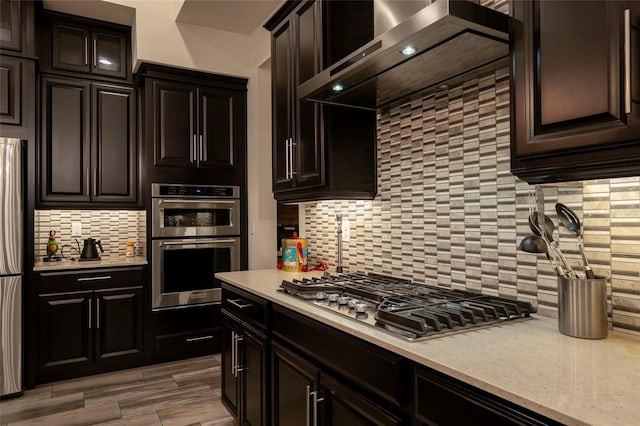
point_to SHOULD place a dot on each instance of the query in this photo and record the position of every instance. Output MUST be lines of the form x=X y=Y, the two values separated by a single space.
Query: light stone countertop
x=107 y=262
x=574 y=381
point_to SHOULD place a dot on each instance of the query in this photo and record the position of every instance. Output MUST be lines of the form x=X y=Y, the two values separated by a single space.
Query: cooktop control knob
x=321 y=295
x=343 y=300
x=352 y=303
x=333 y=297
x=360 y=308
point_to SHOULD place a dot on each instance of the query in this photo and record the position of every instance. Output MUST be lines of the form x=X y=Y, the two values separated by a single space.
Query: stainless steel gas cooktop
x=405 y=309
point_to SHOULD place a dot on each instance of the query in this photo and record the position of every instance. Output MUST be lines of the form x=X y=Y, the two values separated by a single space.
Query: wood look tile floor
x=177 y=393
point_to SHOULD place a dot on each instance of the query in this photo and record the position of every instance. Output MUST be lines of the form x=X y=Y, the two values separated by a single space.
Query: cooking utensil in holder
x=582 y=307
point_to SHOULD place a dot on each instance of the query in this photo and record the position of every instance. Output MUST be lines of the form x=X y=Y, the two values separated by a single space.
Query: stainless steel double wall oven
x=195 y=232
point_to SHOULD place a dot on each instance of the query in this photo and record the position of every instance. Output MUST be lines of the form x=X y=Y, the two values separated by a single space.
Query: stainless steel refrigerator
x=11 y=265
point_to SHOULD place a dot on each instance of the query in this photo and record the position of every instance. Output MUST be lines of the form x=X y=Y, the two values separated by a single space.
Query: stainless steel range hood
x=450 y=38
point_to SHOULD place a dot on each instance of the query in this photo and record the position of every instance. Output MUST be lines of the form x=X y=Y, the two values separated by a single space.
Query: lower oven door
x=183 y=270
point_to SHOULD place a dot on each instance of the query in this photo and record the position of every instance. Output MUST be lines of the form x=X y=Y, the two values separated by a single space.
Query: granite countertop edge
x=65 y=264
x=530 y=363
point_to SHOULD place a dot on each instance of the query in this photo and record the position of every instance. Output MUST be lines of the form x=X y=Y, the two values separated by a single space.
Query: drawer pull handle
x=194 y=339
x=105 y=277
x=237 y=304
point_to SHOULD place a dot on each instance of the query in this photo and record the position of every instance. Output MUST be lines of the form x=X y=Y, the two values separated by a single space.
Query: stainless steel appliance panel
x=200 y=217
x=11 y=334
x=11 y=206
x=11 y=265
x=183 y=270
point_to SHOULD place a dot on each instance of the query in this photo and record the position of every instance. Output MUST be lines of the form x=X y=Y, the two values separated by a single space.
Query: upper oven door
x=173 y=217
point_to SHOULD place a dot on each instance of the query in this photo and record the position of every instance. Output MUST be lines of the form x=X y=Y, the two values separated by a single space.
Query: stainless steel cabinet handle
x=307 y=399
x=97 y=313
x=95 y=53
x=104 y=277
x=315 y=399
x=239 y=368
x=291 y=145
x=235 y=303
x=286 y=159
x=195 y=148
x=95 y=182
x=201 y=146
x=86 y=51
x=89 y=313
x=195 y=339
x=86 y=185
x=627 y=61
x=233 y=353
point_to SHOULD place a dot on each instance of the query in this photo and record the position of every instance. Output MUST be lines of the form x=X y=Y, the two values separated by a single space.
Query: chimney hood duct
x=451 y=38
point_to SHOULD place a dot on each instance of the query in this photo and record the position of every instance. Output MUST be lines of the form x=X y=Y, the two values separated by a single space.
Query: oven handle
x=198 y=241
x=231 y=201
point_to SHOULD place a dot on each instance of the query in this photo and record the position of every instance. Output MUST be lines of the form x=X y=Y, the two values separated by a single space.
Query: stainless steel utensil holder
x=582 y=307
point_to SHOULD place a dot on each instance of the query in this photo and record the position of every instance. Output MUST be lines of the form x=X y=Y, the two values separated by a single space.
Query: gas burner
x=403 y=308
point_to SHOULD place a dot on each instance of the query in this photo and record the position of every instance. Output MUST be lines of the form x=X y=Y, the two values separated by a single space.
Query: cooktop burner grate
x=404 y=308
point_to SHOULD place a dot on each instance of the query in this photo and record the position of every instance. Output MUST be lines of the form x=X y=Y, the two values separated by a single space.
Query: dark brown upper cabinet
x=575 y=92
x=17 y=32
x=77 y=45
x=195 y=124
x=319 y=151
x=88 y=143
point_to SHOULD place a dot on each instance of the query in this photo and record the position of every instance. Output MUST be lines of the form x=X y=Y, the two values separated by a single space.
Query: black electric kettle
x=90 y=251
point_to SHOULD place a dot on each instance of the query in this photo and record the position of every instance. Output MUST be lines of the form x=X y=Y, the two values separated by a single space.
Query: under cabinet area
x=575 y=92
x=319 y=151
x=89 y=322
x=88 y=143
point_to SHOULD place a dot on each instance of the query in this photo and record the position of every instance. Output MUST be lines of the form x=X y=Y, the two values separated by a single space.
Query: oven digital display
x=196 y=191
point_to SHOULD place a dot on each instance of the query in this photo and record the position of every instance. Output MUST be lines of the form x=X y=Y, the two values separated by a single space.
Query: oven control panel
x=204 y=191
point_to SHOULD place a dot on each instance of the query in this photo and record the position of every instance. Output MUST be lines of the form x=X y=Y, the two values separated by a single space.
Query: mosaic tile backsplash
x=112 y=227
x=449 y=212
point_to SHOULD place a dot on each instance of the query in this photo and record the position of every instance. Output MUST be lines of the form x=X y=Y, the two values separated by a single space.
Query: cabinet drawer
x=247 y=307
x=54 y=281
x=205 y=340
x=445 y=401
x=375 y=370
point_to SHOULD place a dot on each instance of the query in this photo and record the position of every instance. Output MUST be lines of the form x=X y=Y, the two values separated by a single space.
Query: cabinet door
x=10 y=36
x=118 y=324
x=10 y=93
x=253 y=371
x=174 y=124
x=70 y=46
x=282 y=98
x=230 y=385
x=64 y=152
x=65 y=337
x=17 y=35
x=218 y=131
x=113 y=148
x=343 y=406
x=292 y=379
x=109 y=53
x=570 y=101
x=308 y=149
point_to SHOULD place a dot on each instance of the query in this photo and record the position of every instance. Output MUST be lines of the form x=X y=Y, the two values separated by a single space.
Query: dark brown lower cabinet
x=293 y=380
x=90 y=331
x=303 y=394
x=244 y=364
